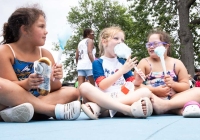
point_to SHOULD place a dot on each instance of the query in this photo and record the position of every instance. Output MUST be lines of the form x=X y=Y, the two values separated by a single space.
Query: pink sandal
x=191 y=110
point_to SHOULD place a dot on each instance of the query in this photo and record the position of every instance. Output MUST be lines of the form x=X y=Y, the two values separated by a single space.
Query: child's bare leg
x=81 y=79
x=61 y=96
x=134 y=96
x=92 y=94
x=16 y=95
x=177 y=101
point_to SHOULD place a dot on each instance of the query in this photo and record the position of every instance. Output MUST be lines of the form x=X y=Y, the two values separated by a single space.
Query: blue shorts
x=85 y=73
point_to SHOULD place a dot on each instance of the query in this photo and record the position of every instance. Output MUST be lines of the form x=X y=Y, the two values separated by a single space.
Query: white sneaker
x=69 y=111
x=21 y=113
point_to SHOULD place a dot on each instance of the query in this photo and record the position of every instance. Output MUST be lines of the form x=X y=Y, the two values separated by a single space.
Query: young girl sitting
x=24 y=32
x=110 y=74
x=171 y=90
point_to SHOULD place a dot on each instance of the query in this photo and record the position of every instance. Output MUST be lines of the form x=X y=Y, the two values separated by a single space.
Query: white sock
x=58 y=113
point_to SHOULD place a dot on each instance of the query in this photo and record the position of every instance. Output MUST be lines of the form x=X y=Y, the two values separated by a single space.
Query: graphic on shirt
x=23 y=69
x=108 y=72
x=105 y=67
x=84 y=61
x=80 y=54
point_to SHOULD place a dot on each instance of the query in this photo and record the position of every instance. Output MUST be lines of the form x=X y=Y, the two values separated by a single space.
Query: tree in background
x=94 y=14
x=180 y=18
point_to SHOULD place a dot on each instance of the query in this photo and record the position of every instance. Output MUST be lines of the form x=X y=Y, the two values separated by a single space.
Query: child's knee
x=76 y=93
x=146 y=92
x=71 y=92
x=84 y=88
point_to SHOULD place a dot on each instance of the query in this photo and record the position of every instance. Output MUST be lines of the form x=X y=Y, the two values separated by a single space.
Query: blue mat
x=165 y=127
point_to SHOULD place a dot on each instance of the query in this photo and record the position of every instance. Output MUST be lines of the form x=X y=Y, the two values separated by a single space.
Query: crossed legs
x=176 y=103
x=123 y=104
x=10 y=97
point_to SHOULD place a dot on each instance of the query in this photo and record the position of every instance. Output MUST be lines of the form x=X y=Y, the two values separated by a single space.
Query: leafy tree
x=180 y=18
x=95 y=14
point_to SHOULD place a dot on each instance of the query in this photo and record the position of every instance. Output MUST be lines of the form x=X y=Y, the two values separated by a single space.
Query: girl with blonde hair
x=110 y=74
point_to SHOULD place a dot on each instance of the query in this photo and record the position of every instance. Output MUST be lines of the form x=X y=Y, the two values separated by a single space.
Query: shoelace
x=69 y=111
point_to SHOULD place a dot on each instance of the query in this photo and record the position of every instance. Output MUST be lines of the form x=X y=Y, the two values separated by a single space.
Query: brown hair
x=86 y=32
x=22 y=16
x=164 y=37
x=107 y=33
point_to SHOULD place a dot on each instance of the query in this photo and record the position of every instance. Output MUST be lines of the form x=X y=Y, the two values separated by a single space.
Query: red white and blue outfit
x=104 y=67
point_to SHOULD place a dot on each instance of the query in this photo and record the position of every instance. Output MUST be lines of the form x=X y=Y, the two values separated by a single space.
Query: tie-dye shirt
x=157 y=78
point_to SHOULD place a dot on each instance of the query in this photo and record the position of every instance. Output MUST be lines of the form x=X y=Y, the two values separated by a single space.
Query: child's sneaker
x=21 y=113
x=69 y=111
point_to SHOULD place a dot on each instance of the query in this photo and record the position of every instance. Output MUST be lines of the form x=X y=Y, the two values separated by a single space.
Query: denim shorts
x=87 y=72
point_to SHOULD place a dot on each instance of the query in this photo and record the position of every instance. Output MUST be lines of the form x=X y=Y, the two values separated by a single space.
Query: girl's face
x=38 y=32
x=111 y=43
x=154 y=41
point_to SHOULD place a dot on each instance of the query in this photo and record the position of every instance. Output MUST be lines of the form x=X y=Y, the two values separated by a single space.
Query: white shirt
x=83 y=58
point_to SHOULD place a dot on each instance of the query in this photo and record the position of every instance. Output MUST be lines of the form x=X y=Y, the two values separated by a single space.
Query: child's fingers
x=58 y=65
x=128 y=59
x=134 y=59
x=54 y=65
x=167 y=76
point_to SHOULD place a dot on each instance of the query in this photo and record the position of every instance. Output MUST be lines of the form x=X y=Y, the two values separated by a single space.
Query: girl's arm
x=6 y=60
x=110 y=80
x=102 y=81
x=90 y=47
x=160 y=91
x=183 y=79
x=7 y=71
x=77 y=56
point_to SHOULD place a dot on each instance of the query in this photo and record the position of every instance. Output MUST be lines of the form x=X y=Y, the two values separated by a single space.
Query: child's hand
x=169 y=81
x=140 y=73
x=129 y=64
x=172 y=92
x=162 y=91
x=57 y=72
x=34 y=80
x=139 y=77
